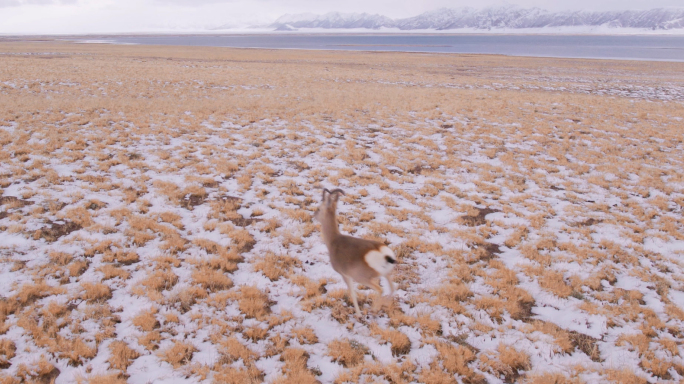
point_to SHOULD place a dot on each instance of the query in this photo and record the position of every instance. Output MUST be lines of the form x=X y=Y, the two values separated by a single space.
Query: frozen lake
x=661 y=48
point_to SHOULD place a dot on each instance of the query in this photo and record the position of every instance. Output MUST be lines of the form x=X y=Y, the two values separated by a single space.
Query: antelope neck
x=330 y=229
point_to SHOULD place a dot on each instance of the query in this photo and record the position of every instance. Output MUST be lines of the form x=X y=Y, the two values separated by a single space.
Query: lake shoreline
x=656 y=48
x=642 y=48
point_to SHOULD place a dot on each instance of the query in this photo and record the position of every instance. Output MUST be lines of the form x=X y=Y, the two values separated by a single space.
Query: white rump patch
x=377 y=260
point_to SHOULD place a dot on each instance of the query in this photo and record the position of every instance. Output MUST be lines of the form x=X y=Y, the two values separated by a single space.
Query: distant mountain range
x=492 y=18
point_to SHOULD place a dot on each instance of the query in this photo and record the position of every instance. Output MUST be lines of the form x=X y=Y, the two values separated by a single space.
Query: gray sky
x=112 y=16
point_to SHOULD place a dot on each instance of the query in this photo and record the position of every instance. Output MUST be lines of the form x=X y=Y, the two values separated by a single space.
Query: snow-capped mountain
x=505 y=17
x=332 y=20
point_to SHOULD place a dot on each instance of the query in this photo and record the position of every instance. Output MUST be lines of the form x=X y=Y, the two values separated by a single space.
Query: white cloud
x=19 y=3
x=113 y=16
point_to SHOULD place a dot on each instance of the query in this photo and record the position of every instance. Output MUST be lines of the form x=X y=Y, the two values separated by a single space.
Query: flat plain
x=156 y=202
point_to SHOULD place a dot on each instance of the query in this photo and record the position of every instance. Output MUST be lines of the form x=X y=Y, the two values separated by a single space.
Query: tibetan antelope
x=357 y=260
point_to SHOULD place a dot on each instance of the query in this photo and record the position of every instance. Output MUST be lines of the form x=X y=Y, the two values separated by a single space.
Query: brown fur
x=347 y=253
x=347 y=261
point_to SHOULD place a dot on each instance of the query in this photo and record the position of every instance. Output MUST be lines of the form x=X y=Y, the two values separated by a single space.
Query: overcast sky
x=112 y=16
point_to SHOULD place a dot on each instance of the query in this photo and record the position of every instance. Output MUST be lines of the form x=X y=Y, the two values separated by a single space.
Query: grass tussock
x=111 y=378
x=276 y=266
x=7 y=351
x=122 y=355
x=295 y=369
x=96 y=292
x=254 y=303
x=160 y=280
x=230 y=375
x=179 y=354
x=212 y=280
x=400 y=343
x=39 y=371
x=147 y=320
x=347 y=352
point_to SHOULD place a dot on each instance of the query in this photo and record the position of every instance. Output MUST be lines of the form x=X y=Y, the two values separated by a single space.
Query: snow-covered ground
x=156 y=217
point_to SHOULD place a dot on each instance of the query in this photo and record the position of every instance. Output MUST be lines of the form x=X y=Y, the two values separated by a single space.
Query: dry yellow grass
x=7 y=351
x=180 y=353
x=112 y=378
x=456 y=360
x=147 y=320
x=401 y=344
x=305 y=335
x=229 y=375
x=183 y=179
x=96 y=292
x=41 y=371
x=121 y=355
x=212 y=280
x=347 y=352
x=276 y=266
x=231 y=350
x=253 y=302
x=295 y=368
x=552 y=378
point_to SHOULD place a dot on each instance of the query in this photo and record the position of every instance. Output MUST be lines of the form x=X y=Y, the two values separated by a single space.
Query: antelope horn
x=324 y=191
